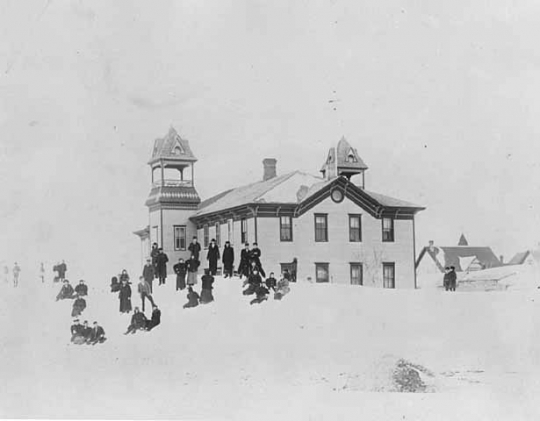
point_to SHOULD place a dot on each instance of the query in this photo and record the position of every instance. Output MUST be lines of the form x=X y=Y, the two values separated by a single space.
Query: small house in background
x=528 y=257
x=433 y=259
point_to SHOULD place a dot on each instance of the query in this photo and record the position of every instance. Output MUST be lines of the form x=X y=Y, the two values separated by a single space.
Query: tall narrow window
x=243 y=231
x=389 y=275
x=218 y=234
x=179 y=237
x=285 y=228
x=154 y=235
x=230 y=230
x=206 y=236
x=355 y=228
x=387 y=229
x=357 y=277
x=322 y=273
x=321 y=227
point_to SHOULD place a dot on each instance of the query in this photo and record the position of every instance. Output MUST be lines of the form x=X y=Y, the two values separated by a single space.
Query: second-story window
x=387 y=229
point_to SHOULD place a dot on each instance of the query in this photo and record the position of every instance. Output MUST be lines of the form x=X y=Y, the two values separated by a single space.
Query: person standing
x=62 y=269
x=228 y=260
x=154 y=254
x=124 y=295
x=42 y=273
x=446 y=278
x=213 y=256
x=195 y=248
x=181 y=270
x=243 y=267
x=255 y=256
x=16 y=272
x=192 y=267
x=452 y=278
x=162 y=260
x=207 y=281
x=144 y=291
x=149 y=273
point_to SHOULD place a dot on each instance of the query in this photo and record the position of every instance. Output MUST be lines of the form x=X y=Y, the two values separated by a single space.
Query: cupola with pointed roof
x=343 y=160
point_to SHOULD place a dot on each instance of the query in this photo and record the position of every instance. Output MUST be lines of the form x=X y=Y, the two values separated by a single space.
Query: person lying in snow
x=81 y=289
x=97 y=335
x=271 y=282
x=66 y=292
x=78 y=306
x=282 y=287
x=156 y=318
x=206 y=291
x=193 y=298
x=261 y=295
x=138 y=322
x=253 y=282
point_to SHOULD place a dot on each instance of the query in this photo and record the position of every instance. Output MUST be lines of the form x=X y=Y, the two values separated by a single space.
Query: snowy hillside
x=321 y=353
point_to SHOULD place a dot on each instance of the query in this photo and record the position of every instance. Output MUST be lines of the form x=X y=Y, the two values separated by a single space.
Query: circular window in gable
x=337 y=195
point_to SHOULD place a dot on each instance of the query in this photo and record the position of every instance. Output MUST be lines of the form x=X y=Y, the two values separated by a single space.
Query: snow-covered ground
x=324 y=352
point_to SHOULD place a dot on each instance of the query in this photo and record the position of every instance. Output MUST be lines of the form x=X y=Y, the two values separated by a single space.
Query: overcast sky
x=441 y=99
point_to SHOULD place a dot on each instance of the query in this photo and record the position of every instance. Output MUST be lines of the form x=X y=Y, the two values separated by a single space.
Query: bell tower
x=173 y=198
x=344 y=160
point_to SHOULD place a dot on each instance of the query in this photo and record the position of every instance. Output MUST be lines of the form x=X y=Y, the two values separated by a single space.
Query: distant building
x=528 y=257
x=433 y=259
x=334 y=229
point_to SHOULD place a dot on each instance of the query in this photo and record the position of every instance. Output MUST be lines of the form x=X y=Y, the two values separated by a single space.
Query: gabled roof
x=451 y=256
x=519 y=258
x=463 y=241
x=172 y=147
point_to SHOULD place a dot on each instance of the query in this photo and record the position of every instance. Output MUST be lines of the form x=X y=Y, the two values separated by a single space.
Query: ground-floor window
x=357 y=274
x=180 y=237
x=230 y=231
x=291 y=268
x=389 y=275
x=218 y=234
x=243 y=231
x=206 y=232
x=322 y=273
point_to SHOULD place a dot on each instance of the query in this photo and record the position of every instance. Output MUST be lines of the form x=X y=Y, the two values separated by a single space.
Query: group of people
x=16 y=271
x=255 y=285
x=206 y=296
x=67 y=292
x=140 y=322
x=84 y=334
x=159 y=263
x=450 y=278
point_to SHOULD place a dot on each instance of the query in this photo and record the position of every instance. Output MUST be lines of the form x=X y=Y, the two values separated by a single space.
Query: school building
x=325 y=228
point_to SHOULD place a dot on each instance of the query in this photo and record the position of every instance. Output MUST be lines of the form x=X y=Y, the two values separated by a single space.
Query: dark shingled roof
x=166 y=147
x=340 y=155
x=452 y=255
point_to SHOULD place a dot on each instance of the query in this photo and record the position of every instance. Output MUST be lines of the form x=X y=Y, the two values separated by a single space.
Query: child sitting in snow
x=78 y=306
x=253 y=282
x=66 y=292
x=193 y=298
x=138 y=322
x=271 y=282
x=282 y=287
x=261 y=294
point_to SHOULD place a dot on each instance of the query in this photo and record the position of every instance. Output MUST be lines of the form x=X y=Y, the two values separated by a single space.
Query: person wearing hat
x=243 y=267
x=207 y=281
x=66 y=291
x=213 y=256
x=228 y=260
x=446 y=278
x=144 y=291
x=452 y=278
x=76 y=329
x=78 y=306
x=149 y=272
x=192 y=267
x=81 y=289
x=162 y=260
x=153 y=255
x=124 y=295
x=181 y=270
x=255 y=256
x=195 y=248
x=97 y=335
x=138 y=322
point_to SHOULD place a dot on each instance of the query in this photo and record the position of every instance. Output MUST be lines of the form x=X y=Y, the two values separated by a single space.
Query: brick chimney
x=269 y=168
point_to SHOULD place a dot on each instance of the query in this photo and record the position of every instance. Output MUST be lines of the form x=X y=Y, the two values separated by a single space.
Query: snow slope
x=324 y=352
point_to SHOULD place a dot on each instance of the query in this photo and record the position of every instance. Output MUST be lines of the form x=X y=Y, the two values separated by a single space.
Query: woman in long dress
x=193 y=267
x=125 y=297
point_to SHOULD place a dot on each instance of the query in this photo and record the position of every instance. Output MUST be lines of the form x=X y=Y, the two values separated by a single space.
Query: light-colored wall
x=339 y=252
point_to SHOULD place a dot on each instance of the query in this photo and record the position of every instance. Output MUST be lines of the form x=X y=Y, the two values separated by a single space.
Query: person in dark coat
x=243 y=267
x=124 y=276
x=115 y=285
x=61 y=269
x=271 y=282
x=144 y=292
x=97 y=335
x=446 y=278
x=207 y=281
x=452 y=278
x=253 y=283
x=213 y=256
x=76 y=330
x=138 y=322
x=66 y=292
x=255 y=256
x=261 y=295
x=81 y=289
x=193 y=298
x=78 y=306
x=153 y=255
x=192 y=267
x=124 y=296
x=228 y=260
x=86 y=331
x=195 y=248
x=156 y=318
x=162 y=260
x=181 y=270
x=149 y=273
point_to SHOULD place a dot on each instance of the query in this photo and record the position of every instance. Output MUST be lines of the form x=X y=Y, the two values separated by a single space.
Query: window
x=230 y=230
x=321 y=227
x=357 y=274
x=243 y=231
x=154 y=235
x=179 y=237
x=355 y=228
x=206 y=236
x=321 y=272
x=387 y=229
x=218 y=234
x=389 y=275
x=285 y=228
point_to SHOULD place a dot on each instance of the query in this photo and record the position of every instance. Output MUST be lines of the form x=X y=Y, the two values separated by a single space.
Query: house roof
x=291 y=188
x=519 y=258
x=340 y=157
x=172 y=147
x=451 y=256
x=463 y=241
